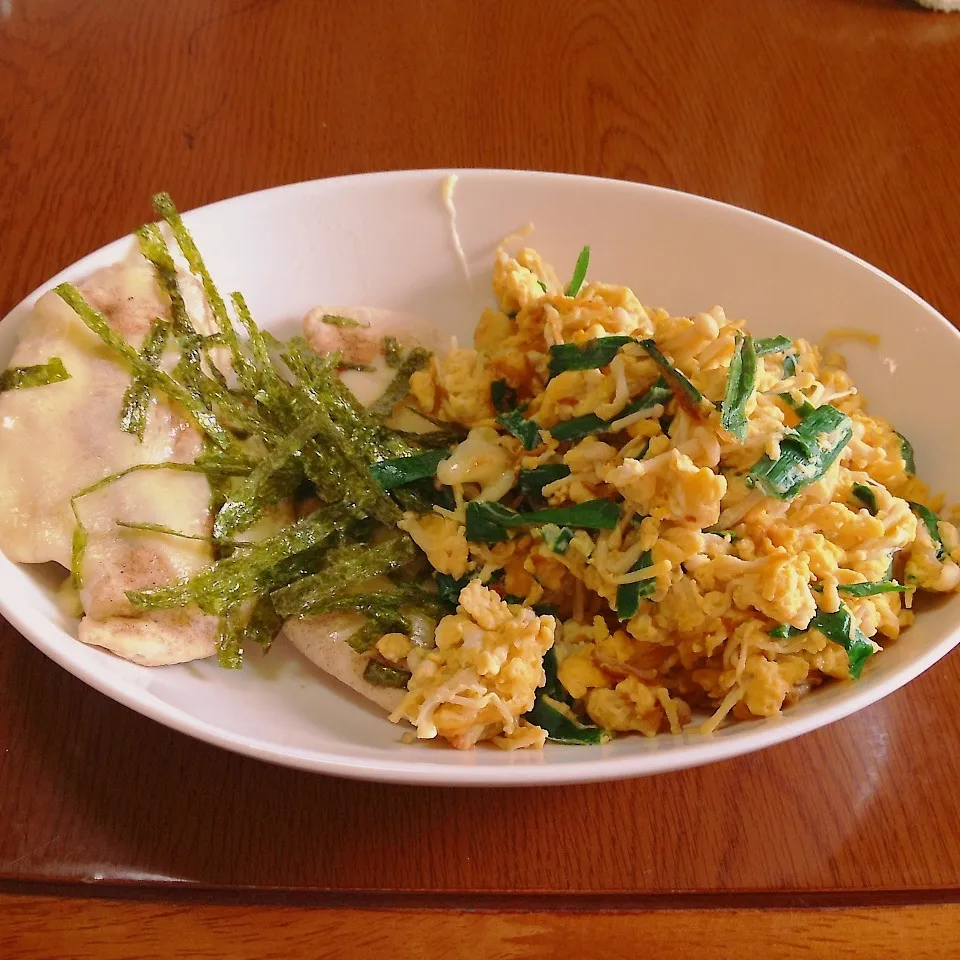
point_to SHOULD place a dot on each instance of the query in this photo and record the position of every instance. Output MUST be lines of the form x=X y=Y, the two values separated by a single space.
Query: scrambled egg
x=726 y=580
x=442 y=539
x=483 y=674
x=671 y=486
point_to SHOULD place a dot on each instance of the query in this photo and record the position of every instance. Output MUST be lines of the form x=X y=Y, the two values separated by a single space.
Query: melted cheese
x=58 y=439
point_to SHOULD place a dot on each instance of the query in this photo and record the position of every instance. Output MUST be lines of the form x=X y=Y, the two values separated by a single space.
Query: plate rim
x=47 y=637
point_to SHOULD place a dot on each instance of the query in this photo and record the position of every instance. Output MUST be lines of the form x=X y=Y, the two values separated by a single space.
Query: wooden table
x=121 y=838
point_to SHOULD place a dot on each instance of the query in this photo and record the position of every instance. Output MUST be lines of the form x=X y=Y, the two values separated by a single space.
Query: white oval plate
x=385 y=240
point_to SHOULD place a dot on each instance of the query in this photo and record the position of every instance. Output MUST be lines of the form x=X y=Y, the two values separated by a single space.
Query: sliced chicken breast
x=59 y=439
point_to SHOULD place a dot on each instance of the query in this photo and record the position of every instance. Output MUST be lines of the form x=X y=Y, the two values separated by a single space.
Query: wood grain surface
x=838 y=116
x=41 y=928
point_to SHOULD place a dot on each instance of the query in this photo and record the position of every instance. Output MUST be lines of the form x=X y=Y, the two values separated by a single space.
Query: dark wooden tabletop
x=841 y=117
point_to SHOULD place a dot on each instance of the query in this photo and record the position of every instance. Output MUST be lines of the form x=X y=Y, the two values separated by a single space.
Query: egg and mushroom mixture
x=653 y=515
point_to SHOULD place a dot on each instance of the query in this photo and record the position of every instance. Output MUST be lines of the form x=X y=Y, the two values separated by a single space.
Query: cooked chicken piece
x=364 y=344
x=323 y=641
x=59 y=439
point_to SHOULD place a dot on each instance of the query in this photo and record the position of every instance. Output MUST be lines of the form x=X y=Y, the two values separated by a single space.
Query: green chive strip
x=488 y=522
x=741 y=382
x=503 y=396
x=768 y=345
x=533 y=481
x=629 y=594
x=552 y=710
x=806 y=453
x=871 y=588
x=449 y=587
x=866 y=496
x=580 y=427
x=579 y=274
x=561 y=727
x=590 y=355
x=398 y=471
x=526 y=431
x=906 y=452
x=932 y=522
x=840 y=628
x=688 y=396
x=557 y=538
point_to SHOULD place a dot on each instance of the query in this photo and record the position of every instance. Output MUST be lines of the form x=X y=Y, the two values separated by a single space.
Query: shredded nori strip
x=230 y=637
x=165 y=208
x=264 y=625
x=387 y=611
x=350 y=564
x=275 y=477
x=205 y=420
x=78 y=547
x=37 y=375
x=154 y=248
x=399 y=387
x=381 y=675
x=253 y=572
x=336 y=320
x=311 y=436
x=392 y=352
x=166 y=531
x=136 y=400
